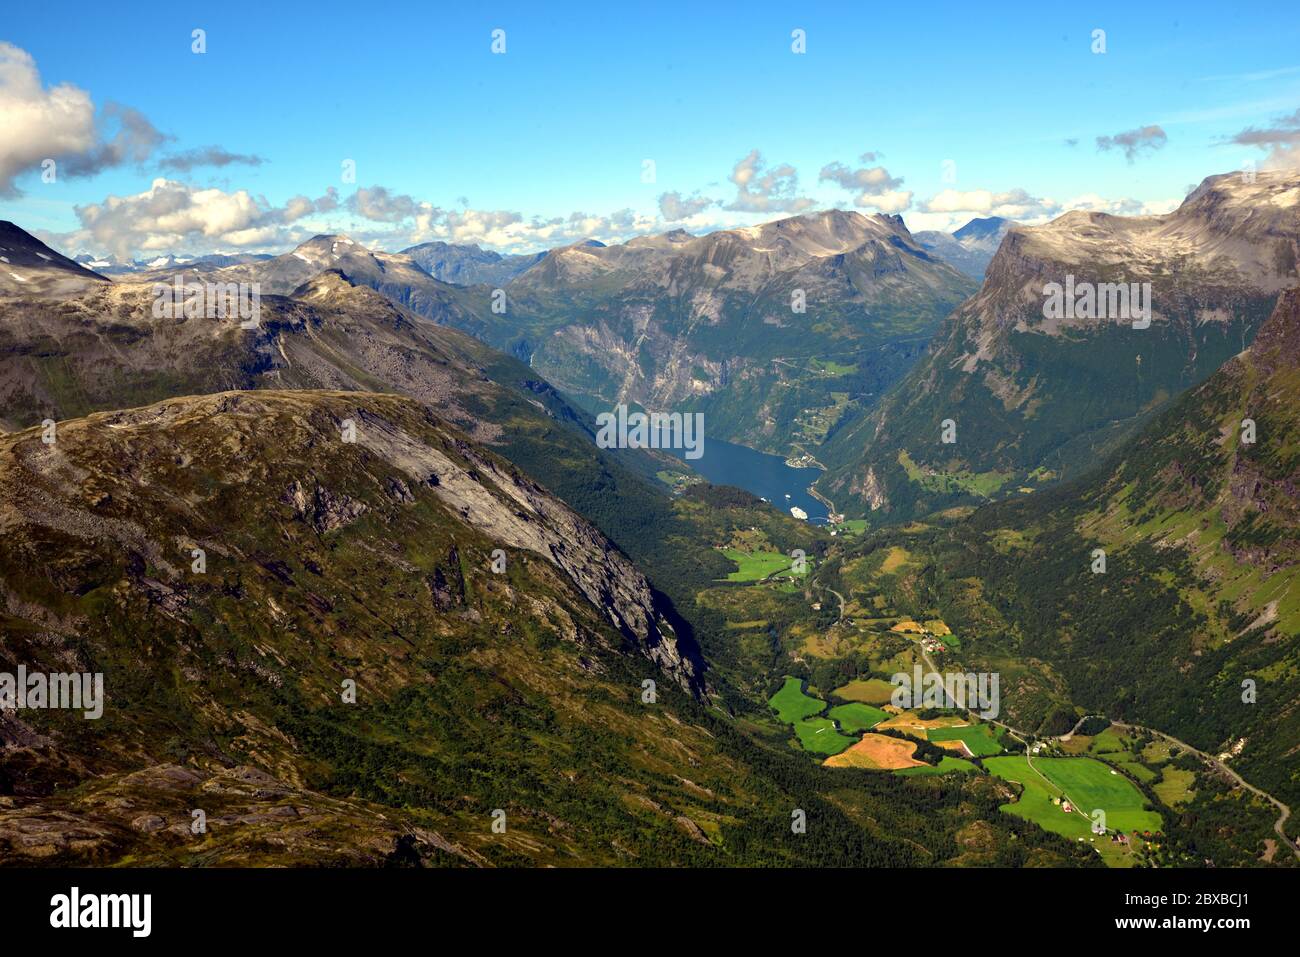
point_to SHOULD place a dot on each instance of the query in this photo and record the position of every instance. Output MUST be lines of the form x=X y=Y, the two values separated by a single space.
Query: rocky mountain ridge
x=1034 y=396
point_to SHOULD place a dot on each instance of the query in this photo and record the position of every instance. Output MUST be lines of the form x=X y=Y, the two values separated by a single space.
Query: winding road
x=1284 y=812
x=828 y=588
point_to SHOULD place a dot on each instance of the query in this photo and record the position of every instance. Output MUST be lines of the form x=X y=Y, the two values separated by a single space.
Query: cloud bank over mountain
x=176 y=214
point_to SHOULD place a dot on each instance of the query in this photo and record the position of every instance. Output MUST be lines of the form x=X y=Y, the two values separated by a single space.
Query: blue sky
x=506 y=149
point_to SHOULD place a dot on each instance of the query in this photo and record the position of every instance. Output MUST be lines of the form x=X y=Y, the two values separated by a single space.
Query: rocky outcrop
x=323 y=509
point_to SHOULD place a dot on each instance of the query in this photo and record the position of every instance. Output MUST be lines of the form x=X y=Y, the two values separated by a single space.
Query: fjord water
x=766 y=475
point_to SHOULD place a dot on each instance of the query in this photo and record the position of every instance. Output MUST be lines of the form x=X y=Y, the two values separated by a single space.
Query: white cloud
x=674 y=208
x=491 y=227
x=299 y=207
x=1282 y=140
x=511 y=231
x=1122 y=206
x=416 y=221
x=760 y=190
x=950 y=209
x=1011 y=204
x=873 y=187
x=173 y=217
x=59 y=123
x=381 y=205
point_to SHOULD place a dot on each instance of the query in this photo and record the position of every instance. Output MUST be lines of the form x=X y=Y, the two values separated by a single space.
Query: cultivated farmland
x=857 y=717
x=1048 y=782
x=867 y=690
x=756 y=566
x=819 y=736
x=978 y=738
x=877 y=751
x=793 y=705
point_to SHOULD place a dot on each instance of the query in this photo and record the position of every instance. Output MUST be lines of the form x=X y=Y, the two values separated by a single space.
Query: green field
x=866 y=690
x=1138 y=770
x=792 y=705
x=978 y=737
x=1093 y=784
x=1087 y=783
x=853 y=526
x=1175 y=786
x=857 y=717
x=983 y=483
x=833 y=368
x=819 y=736
x=1035 y=803
x=1107 y=742
x=945 y=765
x=756 y=566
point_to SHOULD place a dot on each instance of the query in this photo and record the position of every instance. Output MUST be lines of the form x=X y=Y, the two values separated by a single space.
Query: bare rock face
x=1278 y=344
x=147 y=823
x=870 y=490
x=490 y=495
x=1256 y=481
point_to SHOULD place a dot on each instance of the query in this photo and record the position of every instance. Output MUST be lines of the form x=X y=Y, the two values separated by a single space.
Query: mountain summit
x=29 y=267
x=1032 y=398
x=972 y=247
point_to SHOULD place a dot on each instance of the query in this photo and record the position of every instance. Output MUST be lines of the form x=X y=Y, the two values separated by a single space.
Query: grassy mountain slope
x=330 y=561
x=107 y=350
x=1202 y=539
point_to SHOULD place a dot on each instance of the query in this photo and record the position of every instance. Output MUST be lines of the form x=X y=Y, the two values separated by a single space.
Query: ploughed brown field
x=957 y=747
x=876 y=751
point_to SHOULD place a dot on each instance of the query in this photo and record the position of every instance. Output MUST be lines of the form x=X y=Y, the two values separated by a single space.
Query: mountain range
x=768 y=331
x=66 y=356
x=760 y=329
x=426 y=595
x=468 y=265
x=290 y=581
x=108 y=265
x=1033 y=398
